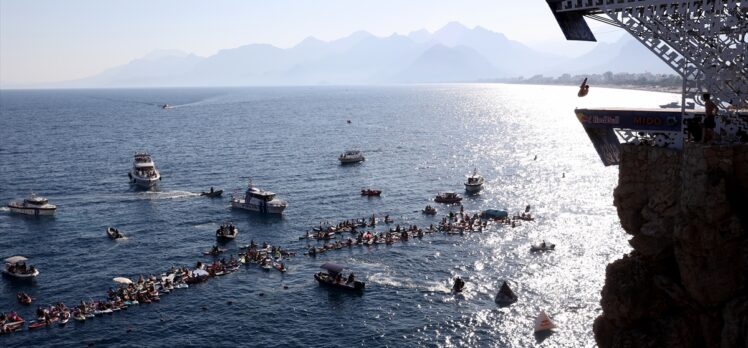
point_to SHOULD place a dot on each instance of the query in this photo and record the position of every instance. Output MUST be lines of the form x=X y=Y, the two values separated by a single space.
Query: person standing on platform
x=710 y=121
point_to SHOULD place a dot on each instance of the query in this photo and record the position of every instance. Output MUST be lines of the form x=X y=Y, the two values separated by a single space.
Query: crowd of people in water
x=145 y=290
x=149 y=289
x=454 y=223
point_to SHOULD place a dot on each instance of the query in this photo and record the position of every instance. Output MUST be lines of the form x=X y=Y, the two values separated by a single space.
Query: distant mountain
x=443 y=64
x=452 y=53
x=625 y=55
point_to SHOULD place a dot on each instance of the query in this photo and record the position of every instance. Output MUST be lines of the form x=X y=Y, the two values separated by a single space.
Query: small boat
x=226 y=233
x=505 y=296
x=351 y=156
x=78 y=316
x=114 y=233
x=371 y=192
x=267 y=264
x=334 y=279
x=429 y=210
x=212 y=193
x=15 y=266
x=259 y=201
x=167 y=106
x=543 y=322
x=448 y=198
x=34 y=205
x=474 y=182
x=542 y=247
x=144 y=172
x=24 y=298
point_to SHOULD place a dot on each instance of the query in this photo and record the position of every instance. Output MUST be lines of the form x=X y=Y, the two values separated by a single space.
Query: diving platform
x=704 y=41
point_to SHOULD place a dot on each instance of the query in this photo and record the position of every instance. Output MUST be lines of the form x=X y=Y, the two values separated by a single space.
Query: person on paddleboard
x=584 y=88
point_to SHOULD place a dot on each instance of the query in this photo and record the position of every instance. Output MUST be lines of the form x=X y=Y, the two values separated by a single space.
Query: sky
x=53 y=40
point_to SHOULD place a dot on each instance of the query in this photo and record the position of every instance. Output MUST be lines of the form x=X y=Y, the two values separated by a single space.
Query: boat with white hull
x=34 y=205
x=258 y=200
x=474 y=182
x=144 y=172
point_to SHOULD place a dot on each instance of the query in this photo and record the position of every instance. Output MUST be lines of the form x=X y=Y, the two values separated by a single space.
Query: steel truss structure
x=704 y=41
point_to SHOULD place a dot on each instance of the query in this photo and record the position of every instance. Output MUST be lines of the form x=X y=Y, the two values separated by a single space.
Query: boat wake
x=4 y=209
x=168 y=194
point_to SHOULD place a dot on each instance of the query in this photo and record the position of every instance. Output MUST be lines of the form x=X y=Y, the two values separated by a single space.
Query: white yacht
x=474 y=182
x=258 y=200
x=144 y=172
x=34 y=205
x=351 y=156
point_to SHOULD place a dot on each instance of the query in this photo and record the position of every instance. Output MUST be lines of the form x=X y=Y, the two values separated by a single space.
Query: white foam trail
x=4 y=209
x=169 y=194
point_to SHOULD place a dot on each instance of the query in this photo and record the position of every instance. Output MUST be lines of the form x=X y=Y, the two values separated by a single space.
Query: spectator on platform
x=710 y=121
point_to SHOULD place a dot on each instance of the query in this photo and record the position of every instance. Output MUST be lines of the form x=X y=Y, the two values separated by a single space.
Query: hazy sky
x=53 y=40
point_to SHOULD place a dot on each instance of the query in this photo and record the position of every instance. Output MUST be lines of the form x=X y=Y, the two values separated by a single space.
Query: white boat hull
x=145 y=182
x=32 y=211
x=473 y=188
x=260 y=207
x=22 y=276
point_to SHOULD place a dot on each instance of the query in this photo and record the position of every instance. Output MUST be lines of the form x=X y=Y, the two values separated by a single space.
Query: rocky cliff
x=686 y=282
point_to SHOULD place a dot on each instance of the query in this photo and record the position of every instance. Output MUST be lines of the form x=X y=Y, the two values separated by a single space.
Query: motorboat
x=34 y=205
x=226 y=232
x=543 y=322
x=167 y=106
x=212 y=193
x=474 y=182
x=333 y=278
x=351 y=156
x=259 y=201
x=371 y=192
x=144 y=172
x=542 y=247
x=448 y=197
x=15 y=266
x=505 y=296
x=429 y=210
x=114 y=233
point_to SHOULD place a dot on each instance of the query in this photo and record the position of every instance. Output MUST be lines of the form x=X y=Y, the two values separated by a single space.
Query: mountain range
x=453 y=53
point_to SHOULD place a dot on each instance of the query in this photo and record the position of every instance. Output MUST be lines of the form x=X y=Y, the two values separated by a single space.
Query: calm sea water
x=75 y=147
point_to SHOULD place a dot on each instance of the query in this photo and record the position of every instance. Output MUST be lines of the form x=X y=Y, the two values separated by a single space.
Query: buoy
x=543 y=322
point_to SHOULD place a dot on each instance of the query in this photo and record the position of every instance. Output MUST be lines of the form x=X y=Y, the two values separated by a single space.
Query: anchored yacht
x=34 y=205
x=259 y=201
x=144 y=172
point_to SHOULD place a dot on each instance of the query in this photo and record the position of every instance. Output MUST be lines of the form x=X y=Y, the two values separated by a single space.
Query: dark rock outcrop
x=685 y=284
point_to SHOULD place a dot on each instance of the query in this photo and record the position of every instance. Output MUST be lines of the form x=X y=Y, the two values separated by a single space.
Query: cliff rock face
x=686 y=282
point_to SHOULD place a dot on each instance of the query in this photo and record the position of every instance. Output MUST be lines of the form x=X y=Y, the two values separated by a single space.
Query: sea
x=75 y=147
